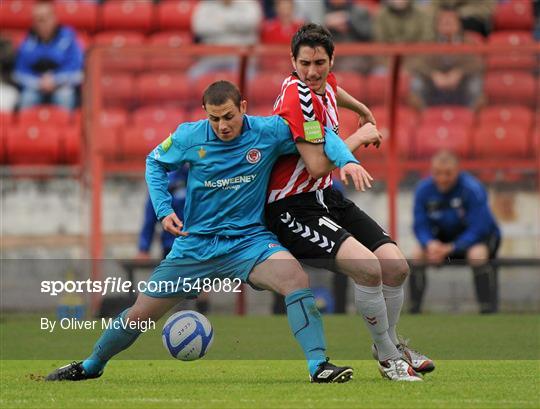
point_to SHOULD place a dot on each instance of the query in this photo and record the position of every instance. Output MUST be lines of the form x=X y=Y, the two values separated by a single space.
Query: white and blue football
x=187 y=335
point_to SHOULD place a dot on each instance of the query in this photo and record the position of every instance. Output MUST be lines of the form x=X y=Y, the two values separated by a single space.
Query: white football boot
x=398 y=370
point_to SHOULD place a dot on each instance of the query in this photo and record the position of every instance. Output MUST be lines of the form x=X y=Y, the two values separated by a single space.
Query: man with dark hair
x=230 y=156
x=49 y=64
x=452 y=220
x=316 y=223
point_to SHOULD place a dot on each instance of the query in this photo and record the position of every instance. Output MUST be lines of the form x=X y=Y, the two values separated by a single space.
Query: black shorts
x=312 y=226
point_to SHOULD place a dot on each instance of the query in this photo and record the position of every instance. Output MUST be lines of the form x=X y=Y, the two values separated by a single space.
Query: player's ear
x=243 y=106
x=293 y=61
x=332 y=62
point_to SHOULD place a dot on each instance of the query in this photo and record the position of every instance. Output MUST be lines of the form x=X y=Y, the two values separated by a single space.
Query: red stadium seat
x=352 y=82
x=78 y=14
x=6 y=119
x=255 y=110
x=198 y=113
x=348 y=124
x=175 y=14
x=109 y=142
x=159 y=117
x=34 y=145
x=447 y=115
x=128 y=15
x=174 y=60
x=137 y=142
x=117 y=89
x=536 y=141
x=265 y=87
x=205 y=80
x=518 y=60
x=16 y=14
x=514 y=15
x=376 y=91
x=156 y=87
x=83 y=39
x=113 y=118
x=512 y=87
x=506 y=115
x=119 y=39
x=431 y=138
x=44 y=115
x=501 y=141
x=70 y=145
x=15 y=36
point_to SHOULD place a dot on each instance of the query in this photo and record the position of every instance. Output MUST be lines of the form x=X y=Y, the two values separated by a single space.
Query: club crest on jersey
x=273 y=245
x=253 y=156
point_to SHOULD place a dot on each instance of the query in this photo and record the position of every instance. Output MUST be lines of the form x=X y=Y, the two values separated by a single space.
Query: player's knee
x=368 y=272
x=295 y=280
x=395 y=271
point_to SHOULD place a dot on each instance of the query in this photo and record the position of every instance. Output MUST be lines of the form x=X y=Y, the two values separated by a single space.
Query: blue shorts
x=196 y=257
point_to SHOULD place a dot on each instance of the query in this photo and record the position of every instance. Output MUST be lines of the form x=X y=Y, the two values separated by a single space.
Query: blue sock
x=306 y=324
x=111 y=342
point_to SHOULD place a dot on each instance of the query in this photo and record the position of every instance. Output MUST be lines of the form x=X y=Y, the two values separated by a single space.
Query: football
x=187 y=335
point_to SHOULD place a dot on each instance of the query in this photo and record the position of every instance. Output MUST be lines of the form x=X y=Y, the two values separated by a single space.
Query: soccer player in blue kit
x=224 y=235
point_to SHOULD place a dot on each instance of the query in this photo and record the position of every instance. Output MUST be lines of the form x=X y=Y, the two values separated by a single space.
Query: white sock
x=370 y=304
x=393 y=297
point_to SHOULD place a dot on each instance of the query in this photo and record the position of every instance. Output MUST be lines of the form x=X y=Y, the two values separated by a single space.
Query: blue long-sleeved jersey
x=227 y=181
x=461 y=215
x=62 y=56
x=177 y=188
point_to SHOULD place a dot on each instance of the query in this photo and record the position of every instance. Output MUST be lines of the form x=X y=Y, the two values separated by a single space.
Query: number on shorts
x=332 y=225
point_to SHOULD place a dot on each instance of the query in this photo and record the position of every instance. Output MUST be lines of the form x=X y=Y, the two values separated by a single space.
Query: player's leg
x=282 y=273
x=394 y=270
x=485 y=277
x=116 y=338
x=417 y=280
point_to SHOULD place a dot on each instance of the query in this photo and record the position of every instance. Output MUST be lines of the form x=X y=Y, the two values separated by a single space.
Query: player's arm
x=347 y=101
x=166 y=157
x=318 y=164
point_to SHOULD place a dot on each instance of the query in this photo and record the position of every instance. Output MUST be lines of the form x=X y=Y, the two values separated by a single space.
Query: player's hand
x=435 y=252
x=358 y=174
x=369 y=134
x=173 y=225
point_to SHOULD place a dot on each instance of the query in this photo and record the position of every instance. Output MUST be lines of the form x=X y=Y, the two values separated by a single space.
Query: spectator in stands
x=177 y=188
x=279 y=30
x=452 y=220
x=49 y=63
x=447 y=79
x=475 y=15
x=349 y=23
x=224 y=22
x=306 y=10
x=9 y=93
x=402 y=21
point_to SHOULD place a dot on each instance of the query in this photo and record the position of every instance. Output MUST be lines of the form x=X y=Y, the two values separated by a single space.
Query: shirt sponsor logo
x=230 y=183
x=253 y=156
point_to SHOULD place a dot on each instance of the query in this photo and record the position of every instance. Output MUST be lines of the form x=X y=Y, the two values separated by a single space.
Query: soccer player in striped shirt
x=316 y=223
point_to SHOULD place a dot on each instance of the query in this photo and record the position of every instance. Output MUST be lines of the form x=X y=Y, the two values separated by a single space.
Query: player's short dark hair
x=313 y=35
x=220 y=92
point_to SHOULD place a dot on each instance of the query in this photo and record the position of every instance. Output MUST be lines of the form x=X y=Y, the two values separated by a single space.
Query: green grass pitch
x=482 y=362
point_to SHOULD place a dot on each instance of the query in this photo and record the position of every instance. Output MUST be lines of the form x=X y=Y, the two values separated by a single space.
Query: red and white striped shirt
x=298 y=105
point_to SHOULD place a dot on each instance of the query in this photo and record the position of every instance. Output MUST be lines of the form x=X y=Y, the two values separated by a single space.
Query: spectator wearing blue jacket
x=49 y=63
x=452 y=221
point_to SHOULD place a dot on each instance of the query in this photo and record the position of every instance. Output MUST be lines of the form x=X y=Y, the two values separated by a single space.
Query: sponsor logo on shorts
x=253 y=156
x=273 y=245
